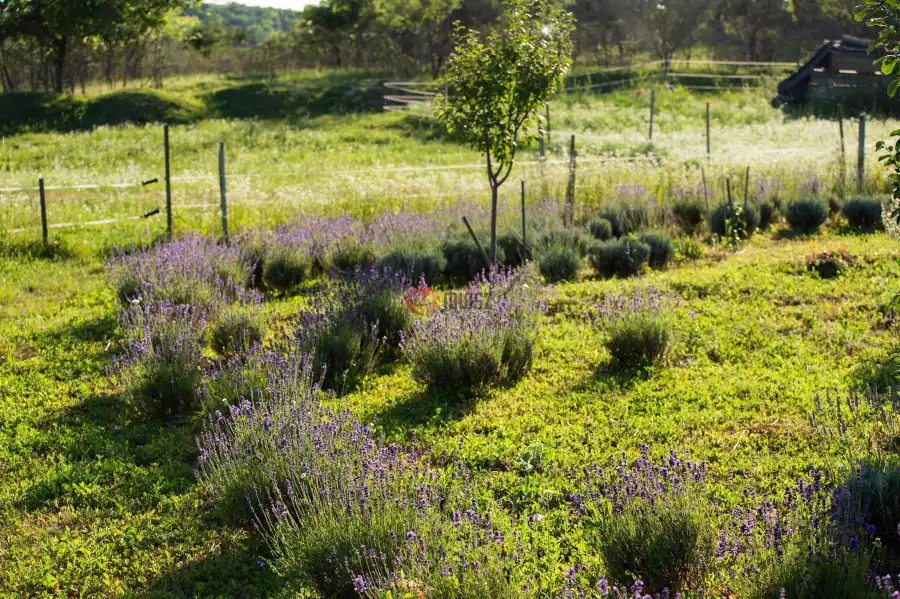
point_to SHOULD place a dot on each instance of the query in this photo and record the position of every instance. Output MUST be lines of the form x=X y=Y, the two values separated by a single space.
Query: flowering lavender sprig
x=647 y=299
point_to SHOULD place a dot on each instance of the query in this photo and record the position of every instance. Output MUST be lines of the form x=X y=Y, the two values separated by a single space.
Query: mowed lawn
x=97 y=501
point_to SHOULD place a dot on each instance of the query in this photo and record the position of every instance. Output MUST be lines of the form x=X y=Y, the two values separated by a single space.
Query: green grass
x=95 y=501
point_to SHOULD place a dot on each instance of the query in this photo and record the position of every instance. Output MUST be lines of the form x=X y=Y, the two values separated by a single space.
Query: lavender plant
x=193 y=270
x=486 y=339
x=350 y=323
x=799 y=545
x=650 y=521
x=238 y=329
x=257 y=375
x=637 y=326
x=160 y=366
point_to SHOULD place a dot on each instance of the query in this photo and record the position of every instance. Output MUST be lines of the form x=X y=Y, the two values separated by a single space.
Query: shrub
x=515 y=252
x=620 y=257
x=872 y=499
x=651 y=522
x=768 y=215
x=193 y=270
x=284 y=269
x=349 y=323
x=638 y=339
x=661 y=249
x=464 y=260
x=835 y=206
x=807 y=215
x=625 y=218
x=350 y=257
x=258 y=376
x=687 y=248
x=690 y=214
x=734 y=221
x=829 y=264
x=483 y=342
x=163 y=357
x=237 y=329
x=863 y=213
x=600 y=228
x=560 y=263
x=564 y=237
x=637 y=326
x=808 y=543
x=415 y=261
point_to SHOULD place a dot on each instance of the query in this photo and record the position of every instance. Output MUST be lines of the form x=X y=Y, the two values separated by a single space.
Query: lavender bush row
x=487 y=340
x=355 y=516
x=193 y=270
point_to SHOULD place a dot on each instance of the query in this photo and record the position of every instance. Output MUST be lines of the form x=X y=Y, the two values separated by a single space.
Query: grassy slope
x=95 y=503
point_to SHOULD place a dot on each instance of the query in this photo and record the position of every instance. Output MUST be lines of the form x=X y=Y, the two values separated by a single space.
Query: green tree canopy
x=497 y=83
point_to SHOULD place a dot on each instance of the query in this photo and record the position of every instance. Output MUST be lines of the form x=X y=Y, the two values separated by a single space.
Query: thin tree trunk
x=494 y=195
x=60 y=49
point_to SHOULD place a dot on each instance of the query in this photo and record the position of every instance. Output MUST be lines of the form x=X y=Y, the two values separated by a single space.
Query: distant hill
x=257 y=23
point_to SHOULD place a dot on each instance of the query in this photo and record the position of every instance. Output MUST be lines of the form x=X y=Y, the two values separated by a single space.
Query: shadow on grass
x=247 y=97
x=285 y=100
x=236 y=570
x=99 y=329
x=423 y=407
x=880 y=375
x=34 y=249
x=105 y=458
x=609 y=376
x=424 y=129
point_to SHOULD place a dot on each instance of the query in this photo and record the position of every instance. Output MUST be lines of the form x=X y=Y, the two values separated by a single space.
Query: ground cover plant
x=157 y=440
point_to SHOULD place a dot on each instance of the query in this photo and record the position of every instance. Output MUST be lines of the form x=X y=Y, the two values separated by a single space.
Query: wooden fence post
x=570 y=188
x=747 y=189
x=43 y=195
x=222 y=192
x=708 y=140
x=547 y=106
x=843 y=159
x=542 y=151
x=652 y=109
x=705 y=190
x=169 y=227
x=861 y=165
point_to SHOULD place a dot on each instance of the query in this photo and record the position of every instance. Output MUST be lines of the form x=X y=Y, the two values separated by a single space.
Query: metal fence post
x=169 y=228
x=44 y=232
x=222 y=192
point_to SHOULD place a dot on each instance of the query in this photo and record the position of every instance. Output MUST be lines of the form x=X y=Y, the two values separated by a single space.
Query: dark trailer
x=841 y=73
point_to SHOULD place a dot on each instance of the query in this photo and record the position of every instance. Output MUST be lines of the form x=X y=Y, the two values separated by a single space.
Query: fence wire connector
x=153 y=212
x=150 y=182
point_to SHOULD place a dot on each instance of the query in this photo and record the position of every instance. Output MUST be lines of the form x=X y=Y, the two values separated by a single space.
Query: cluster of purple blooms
x=193 y=270
x=483 y=340
x=644 y=300
x=622 y=481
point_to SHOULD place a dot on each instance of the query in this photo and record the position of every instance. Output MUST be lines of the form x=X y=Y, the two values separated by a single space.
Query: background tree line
x=65 y=45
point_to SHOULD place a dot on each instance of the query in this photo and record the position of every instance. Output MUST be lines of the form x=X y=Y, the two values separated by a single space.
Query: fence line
x=106 y=221
x=77 y=187
x=399 y=169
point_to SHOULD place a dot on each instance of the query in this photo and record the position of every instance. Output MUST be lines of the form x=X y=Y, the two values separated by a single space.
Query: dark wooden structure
x=841 y=73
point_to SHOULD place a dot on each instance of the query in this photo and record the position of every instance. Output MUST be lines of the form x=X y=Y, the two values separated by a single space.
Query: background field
x=323 y=160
